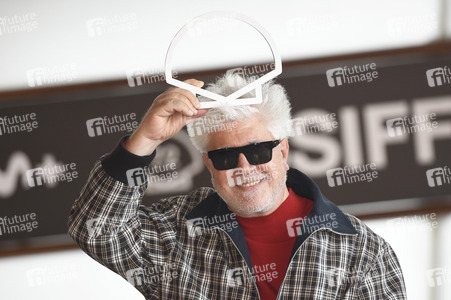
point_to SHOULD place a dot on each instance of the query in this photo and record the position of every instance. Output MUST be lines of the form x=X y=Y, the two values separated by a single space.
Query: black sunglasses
x=256 y=154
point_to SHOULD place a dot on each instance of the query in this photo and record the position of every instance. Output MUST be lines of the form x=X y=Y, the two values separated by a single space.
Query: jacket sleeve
x=108 y=222
x=385 y=279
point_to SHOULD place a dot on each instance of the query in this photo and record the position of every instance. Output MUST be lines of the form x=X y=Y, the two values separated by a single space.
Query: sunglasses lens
x=258 y=154
x=225 y=160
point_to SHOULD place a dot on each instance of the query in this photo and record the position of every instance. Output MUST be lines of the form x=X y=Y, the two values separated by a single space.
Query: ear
x=285 y=148
x=207 y=161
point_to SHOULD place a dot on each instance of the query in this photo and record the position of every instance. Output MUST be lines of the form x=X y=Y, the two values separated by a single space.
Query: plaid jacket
x=192 y=247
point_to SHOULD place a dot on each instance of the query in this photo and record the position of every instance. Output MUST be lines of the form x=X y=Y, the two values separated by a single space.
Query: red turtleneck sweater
x=270 y=244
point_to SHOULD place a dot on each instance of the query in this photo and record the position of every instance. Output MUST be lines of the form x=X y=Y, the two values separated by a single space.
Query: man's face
x=264 y=189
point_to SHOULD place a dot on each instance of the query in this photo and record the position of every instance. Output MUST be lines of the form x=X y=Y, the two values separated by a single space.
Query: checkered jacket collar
x=303 y=186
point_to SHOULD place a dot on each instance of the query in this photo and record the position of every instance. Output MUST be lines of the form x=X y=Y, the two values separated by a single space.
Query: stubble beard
x=246 y=203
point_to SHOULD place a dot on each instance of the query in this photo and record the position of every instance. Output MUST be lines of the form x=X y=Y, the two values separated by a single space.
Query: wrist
x=139 y=145
x=120 y=161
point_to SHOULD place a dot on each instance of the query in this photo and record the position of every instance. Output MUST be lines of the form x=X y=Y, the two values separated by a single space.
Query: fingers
x=176 y=102
x=174 y=96
x=199 y=114
x=188 y=94
x=195 y=82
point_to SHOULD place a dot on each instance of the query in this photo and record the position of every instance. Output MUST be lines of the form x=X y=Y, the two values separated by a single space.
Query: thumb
x=195 y=82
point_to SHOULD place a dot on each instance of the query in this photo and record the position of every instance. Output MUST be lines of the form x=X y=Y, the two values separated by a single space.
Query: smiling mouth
x=249 y=184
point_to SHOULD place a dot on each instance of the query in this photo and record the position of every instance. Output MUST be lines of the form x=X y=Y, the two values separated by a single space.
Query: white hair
x=274 y=111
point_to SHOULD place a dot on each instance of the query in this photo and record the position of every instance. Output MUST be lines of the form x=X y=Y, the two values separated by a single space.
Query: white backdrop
x=62 y=32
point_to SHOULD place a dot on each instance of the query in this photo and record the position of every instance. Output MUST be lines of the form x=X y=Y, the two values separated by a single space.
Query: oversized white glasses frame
x=256 y=84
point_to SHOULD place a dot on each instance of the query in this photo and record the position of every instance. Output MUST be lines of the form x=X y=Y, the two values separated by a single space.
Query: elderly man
x=264 y=232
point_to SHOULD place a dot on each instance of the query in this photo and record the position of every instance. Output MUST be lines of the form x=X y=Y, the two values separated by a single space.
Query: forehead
x=239 y=133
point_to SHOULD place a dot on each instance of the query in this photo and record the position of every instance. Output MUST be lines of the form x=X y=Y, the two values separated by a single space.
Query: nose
x=242 y=162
